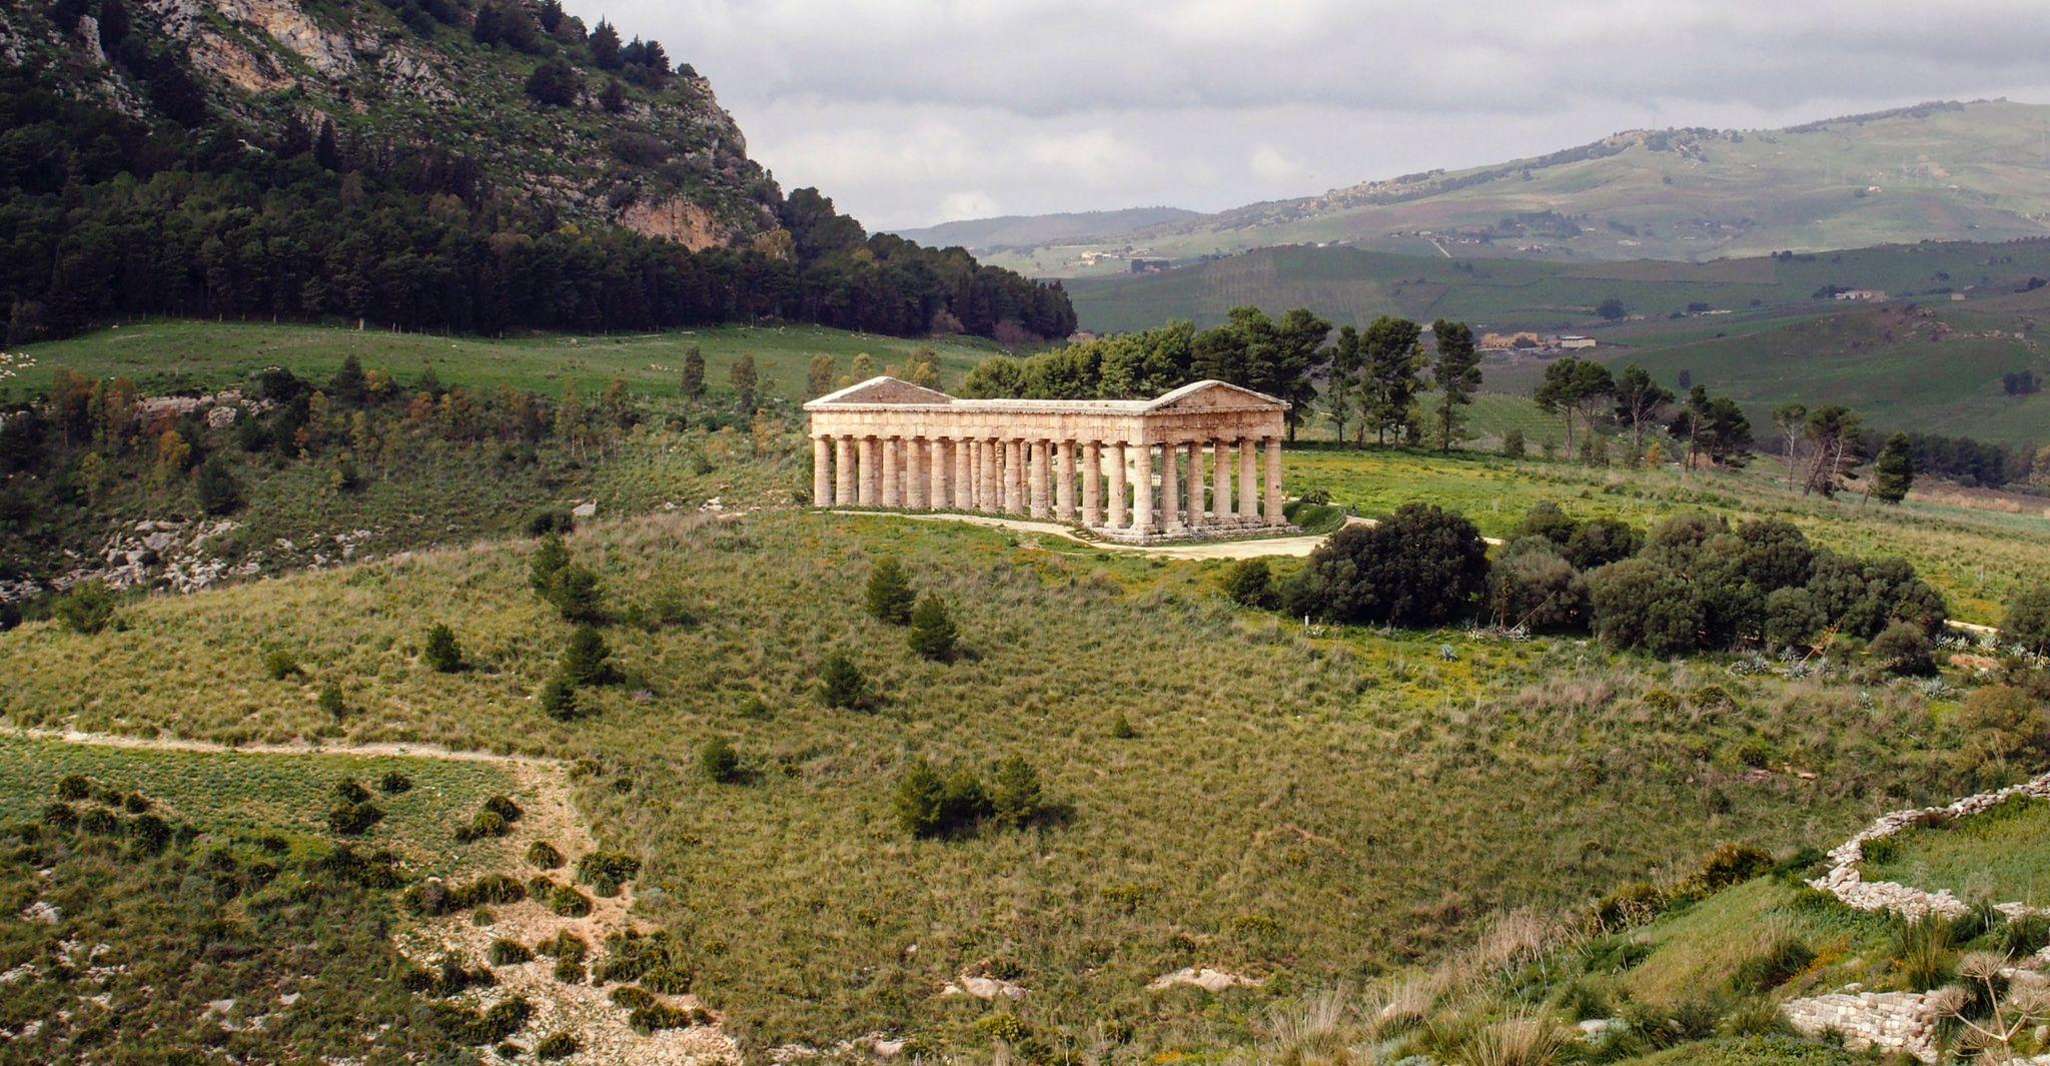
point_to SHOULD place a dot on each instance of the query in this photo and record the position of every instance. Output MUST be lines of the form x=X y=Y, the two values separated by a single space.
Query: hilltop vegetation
x=153 y=164
x=1972 y=172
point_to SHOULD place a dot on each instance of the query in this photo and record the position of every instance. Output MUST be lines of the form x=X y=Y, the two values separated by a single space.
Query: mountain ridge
x=1944 y=170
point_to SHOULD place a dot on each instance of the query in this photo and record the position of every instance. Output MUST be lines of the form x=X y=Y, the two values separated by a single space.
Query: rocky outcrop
x=676 y=219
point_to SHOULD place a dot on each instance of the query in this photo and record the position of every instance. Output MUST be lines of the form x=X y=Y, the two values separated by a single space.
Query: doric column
x=1014 y=476
x=871 y=471
x=1092 y=484
x=893 y=483
x=1198 y=514
x=821 y=472
x=990 y=500
x=939 y=465
x=1220 y=488
x=1035 y=477
x=1274 y=515
x=916 y=478
x=1117 y=485
x=1170 y=491
x=964 y=474
x=1064 y=483
x=1142 y=490
x=843 y=472
x=1249 y=490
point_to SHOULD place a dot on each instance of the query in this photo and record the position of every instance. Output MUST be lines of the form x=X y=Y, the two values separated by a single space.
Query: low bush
x=1904 y=648
x=564 y=945
x=88 y=607
x=442 y=652
x=1420 y=567
x=568 y=902
x=605 y=871
x=2027 y=624
x=354 y=819
x=394 y=782
x=332 y=703
x=656 y=1017
x=543 y=855
x=349 y=790
x=1532 y=587
x=719 y=761
x=1773 y=967
x=933 y=633
x=842 y=685
x=506 y=952
x=556 y=1046
x=279 y=664
x=1250 y=583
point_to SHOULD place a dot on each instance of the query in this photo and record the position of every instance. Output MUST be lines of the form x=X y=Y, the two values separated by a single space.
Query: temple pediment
x=882 y=389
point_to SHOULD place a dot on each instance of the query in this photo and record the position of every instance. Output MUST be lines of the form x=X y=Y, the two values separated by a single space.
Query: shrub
x=929 y=805
x=1121 y=728
x=1601 y=541
x=1776 y=554
x=658 y=1016
x=719 y=761
x=556 y=1046
x=2028 y=621
x=543 y=855
x=2024 y=935
x=1250 y=583
x=354 y=819
x=2000 y=723
x=442 y=653
x=549 y=558
x=1922 y=953
x=564 y=945
x=1639 y=603
x=74 y=787
x=1015 y=796
x=573 y=590
x=1773 y=967
x=1513 y=446
x=568 y=902
x=1532 y=587
x=278 y=664
x=393 y=782
x=559 y=700
x=1862 y=598
x=504 y=807
x=348 y=790
x=1726 y=865
x=570 y=971
x=586 y=660
x=1419 y=567
x=509 y=952
x=216 y=488
x=654 y=959
x=331 y=701
x=627 y=996
x=1792 y=618
x=932 y=629
x=1545 y=520
x=1904 y=648
x=483 y=824
x=889 y=593
x=605 y=871
x=88 y=607
x=542 y=523
x=841 y=683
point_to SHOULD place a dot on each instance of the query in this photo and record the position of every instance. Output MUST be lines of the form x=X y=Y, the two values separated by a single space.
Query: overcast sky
x=909 y=112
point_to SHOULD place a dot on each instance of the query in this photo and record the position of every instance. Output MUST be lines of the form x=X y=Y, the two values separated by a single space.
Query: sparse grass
x=1698 y=949
x=2002 y=855
x=1315 y=809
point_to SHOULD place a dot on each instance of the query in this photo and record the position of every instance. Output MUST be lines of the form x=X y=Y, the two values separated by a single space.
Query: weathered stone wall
x=1881 y=1021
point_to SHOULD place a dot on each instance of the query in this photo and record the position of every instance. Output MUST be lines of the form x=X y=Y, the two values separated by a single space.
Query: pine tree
x=605 y=47
x=745 y=380
x=1894 y=470
x=890 y=598
x=693 y=374
x=442 y=652
x=1458 y=374
x=613 y=97
x=586 y=660
x=932 y=629
x=841 y=683
x=327 y=151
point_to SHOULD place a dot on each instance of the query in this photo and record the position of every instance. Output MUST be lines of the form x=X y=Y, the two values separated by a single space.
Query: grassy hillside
x=1351 y=285
x=1943 y=171
x=1024 y=231
x=178 y=356
x=1307 y=809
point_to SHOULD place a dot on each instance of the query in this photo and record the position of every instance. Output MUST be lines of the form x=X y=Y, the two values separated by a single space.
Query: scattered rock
x=586 y=509
x=42 y=912
x=1205 y=978
x=988 y=988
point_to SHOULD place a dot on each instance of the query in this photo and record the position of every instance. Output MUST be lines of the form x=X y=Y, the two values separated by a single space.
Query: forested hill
x=453 y=164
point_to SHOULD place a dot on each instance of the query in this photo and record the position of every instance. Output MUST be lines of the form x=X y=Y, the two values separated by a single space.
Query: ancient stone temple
x=1187 y=464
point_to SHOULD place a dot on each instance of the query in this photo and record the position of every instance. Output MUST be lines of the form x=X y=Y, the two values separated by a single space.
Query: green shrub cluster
x=434 y=897
x=651 y=959
x=929 y=804
x=606 y=871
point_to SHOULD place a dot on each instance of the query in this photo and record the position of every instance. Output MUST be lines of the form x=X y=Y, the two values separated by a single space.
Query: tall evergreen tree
x=1893 y=473
x=1393 y=375
x=1341 y=389
x=605 y=47
x=1640 y=402
x=1457 y=373
x=745 y=382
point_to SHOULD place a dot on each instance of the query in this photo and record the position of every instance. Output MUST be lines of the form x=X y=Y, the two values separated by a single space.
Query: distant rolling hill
x=1945 y=171
x=1025 y=231
x=1959 y=317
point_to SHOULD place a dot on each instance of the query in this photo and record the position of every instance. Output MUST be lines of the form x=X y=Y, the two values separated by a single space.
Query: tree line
x=105 y=215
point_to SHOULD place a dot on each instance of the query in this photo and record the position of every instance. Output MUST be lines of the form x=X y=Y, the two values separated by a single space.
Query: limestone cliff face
x=669 y=163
